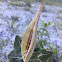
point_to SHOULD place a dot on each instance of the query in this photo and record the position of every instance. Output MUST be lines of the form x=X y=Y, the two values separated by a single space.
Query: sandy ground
x=8 y=33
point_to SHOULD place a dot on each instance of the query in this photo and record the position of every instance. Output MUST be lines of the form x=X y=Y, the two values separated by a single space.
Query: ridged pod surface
x=29 y=38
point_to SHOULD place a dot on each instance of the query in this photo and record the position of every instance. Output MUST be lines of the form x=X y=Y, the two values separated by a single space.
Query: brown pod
x=29 y=38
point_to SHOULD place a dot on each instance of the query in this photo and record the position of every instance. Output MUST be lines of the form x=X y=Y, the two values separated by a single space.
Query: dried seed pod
x=29 y=38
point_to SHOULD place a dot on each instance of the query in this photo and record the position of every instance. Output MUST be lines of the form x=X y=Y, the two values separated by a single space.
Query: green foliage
x=60 y=58
x=42 y=30
x=17 y=43
x=39 y=44
x=54 y=2
x=43 y=9
x=39 y=0
x=60 y=11
x=45 y=55
x=45 y=25
x=27 y=2
x=44 y=15
x=27 y=8
x=15 y=55
x=40 y=55
x=17 y=4
x=1 y=61
x=15 y=18
x=49 y=23
x=37 y=56
x=53 y=47
x=12 y=24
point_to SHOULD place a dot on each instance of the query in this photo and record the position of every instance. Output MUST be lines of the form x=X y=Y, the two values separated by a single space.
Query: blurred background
x=15 y=16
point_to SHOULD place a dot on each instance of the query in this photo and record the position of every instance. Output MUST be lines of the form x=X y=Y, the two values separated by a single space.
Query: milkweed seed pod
x=29 y=38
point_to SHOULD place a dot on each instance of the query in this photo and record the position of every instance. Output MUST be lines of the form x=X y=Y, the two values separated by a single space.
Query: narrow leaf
x=17 y=43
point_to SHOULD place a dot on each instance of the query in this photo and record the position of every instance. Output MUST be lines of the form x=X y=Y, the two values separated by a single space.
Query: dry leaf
x=29 y=38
